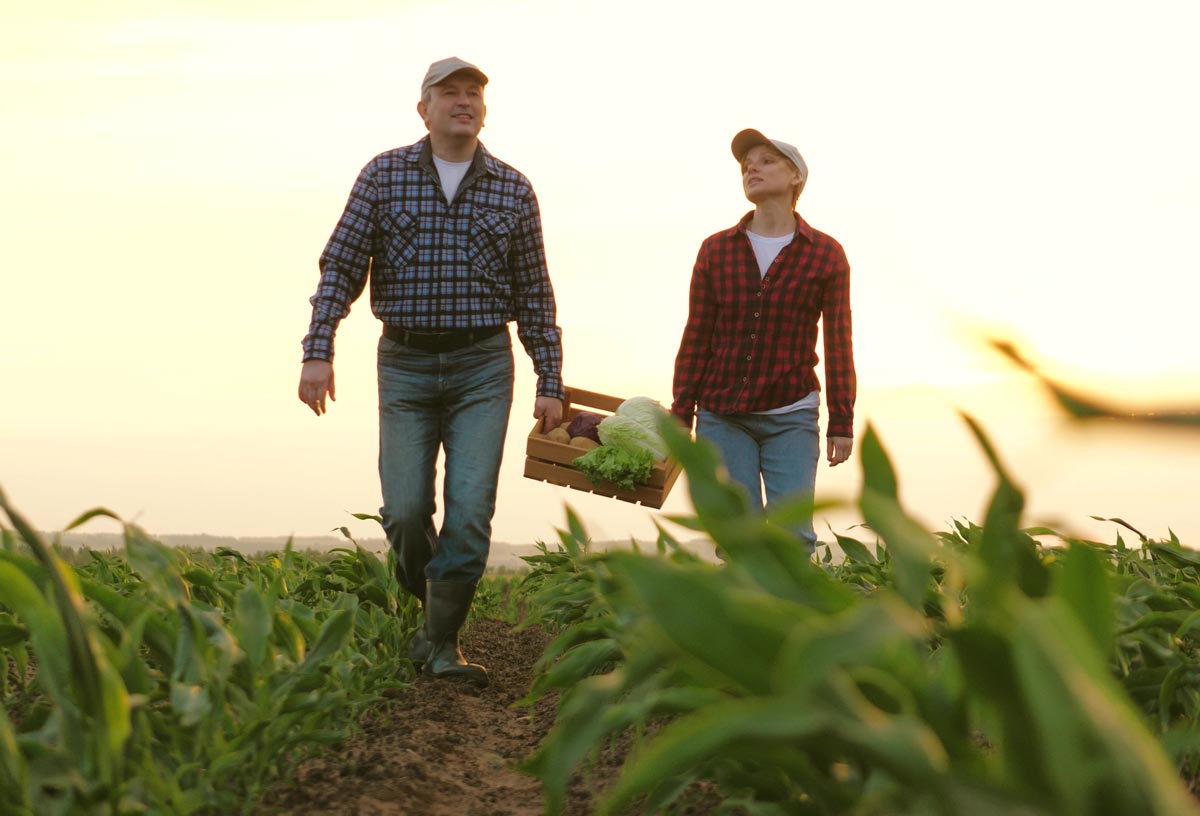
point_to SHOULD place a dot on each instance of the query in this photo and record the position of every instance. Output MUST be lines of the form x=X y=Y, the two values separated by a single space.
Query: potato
x=558 y=435
x=584 y=442
x=565 y=425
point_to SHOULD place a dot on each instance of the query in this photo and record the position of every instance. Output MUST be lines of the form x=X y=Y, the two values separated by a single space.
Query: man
x=746 y=363
x=452 y=240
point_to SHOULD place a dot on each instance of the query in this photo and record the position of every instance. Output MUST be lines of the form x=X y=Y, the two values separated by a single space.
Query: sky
x=171 y=172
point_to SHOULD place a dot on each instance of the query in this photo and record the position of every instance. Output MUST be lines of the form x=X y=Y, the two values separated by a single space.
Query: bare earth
x=445 y=748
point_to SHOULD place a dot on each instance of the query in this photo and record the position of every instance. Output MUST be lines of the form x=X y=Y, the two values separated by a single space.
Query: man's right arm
x=345 y=264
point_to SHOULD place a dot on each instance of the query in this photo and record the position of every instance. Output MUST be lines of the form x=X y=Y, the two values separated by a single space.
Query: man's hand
x=316 y=380
x=839 y=449
x=549 y=411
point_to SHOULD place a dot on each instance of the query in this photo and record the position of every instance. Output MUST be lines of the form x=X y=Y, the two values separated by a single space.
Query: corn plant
x=961 y=673
x=177 y=682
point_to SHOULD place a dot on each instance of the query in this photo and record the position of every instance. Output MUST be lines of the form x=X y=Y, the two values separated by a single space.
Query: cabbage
x=584 y=424
x=643 y=410
x=629 y=435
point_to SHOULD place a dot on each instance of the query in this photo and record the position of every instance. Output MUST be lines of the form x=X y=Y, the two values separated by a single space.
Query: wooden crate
x=548 y=461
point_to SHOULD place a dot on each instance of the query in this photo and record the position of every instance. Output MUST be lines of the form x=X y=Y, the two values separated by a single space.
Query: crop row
x=990 y=669
x=163 y=681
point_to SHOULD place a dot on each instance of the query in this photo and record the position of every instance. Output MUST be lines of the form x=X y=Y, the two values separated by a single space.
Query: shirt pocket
x=399 y=234
x=489 y=238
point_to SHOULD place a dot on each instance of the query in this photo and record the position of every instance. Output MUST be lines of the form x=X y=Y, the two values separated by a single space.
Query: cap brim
x=474 y=72
x=745 y=140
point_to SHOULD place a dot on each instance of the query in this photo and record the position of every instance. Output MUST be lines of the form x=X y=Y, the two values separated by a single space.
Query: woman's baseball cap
x=749 y=138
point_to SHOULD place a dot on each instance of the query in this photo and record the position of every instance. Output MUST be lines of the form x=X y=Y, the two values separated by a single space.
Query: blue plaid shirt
x=434 y=265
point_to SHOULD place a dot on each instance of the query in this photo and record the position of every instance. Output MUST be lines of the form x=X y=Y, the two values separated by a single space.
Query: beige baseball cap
x=749 y=138
x=443 y=68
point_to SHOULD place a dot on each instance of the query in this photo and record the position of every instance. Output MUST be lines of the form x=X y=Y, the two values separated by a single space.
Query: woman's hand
x=839 y=449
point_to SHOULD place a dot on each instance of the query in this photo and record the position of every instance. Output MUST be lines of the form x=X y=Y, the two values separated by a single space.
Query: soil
x=444 y=747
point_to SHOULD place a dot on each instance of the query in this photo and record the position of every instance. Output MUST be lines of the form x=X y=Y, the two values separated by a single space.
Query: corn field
x=988 y=669
x=160 y=681
x=976 y=671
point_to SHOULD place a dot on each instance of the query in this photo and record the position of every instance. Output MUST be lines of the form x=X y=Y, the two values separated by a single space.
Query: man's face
x=766 y=173
x=454 y=108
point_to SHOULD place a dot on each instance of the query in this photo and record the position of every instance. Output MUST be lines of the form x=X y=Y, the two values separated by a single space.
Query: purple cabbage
x=584 y=424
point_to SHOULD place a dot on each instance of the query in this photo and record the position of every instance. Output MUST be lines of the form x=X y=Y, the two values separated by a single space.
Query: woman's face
x=767 y=174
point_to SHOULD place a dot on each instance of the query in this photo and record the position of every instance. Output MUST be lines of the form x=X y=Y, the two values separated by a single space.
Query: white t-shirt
x=766 y=248
x=451 y=174
x=810 y=400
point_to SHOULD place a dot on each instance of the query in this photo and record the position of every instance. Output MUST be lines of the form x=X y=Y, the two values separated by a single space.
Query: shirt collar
x=802 y=228
x=482 y=162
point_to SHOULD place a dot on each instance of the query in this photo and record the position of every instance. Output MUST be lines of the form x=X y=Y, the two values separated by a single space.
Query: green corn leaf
x=737 y=636
x=14 y=772
x=577 y=664
x=11 y=634
x=1174 y=554
x=1083 y=587
x=585 y=715
x=335 y=634
x=909 y=545
x=1010 y=555
x=724 y=729
x=984 y=656
x=252 y=624
x=855 y=550
x=855 y=638
x=190 y=702
x=718 y=501
x=128 y=608
x=90 y=676
x=1101 y=757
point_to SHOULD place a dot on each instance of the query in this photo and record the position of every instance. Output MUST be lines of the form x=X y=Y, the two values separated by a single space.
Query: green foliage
x=973 y=671
x=609 y=463
x=178 y=682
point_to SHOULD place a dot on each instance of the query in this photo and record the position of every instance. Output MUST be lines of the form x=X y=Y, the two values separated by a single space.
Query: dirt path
x=443 y=748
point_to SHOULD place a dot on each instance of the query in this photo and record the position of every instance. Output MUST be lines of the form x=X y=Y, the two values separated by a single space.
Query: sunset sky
x=171 y=171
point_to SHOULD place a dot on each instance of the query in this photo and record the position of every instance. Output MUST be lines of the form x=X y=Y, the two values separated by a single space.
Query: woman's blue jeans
x=775 y=451
x=458 y=401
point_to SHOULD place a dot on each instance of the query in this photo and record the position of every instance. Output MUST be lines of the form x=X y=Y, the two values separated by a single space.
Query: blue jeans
x=458 y=401
x=776 y=451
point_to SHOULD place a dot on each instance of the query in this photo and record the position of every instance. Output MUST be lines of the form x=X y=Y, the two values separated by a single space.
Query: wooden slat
x=572 y=478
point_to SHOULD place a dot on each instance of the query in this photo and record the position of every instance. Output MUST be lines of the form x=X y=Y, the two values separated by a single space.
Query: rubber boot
x=418 y=650
x=446 y=606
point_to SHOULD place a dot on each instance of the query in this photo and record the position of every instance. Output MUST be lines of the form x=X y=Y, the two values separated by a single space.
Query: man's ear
x=423 y=112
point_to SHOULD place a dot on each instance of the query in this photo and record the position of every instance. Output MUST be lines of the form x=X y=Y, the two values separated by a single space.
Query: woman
x=746 y=363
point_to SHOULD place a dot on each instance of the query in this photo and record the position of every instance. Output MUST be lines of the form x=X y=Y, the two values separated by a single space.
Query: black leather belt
x=440 y=341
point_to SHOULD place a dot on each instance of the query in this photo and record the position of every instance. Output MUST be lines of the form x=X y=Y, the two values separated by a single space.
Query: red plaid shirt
x=750 y=341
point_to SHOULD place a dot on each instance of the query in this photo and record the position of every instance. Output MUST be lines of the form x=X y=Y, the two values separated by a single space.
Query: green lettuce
x=624 y=468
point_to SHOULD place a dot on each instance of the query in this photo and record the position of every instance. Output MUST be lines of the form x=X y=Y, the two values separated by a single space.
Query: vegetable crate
x=549 y=461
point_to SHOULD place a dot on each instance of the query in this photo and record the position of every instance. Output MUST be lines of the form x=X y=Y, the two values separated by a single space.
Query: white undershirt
x=766 y=248
x=451 y=174
x=811 y=400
